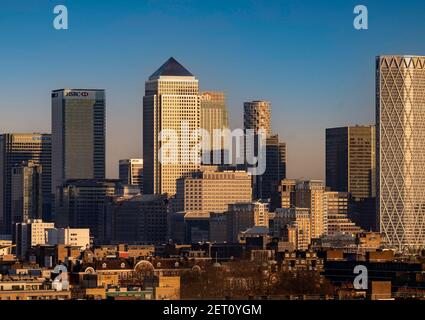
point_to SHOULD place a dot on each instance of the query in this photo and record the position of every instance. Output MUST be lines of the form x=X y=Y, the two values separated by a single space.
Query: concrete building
x=140 y=219
x=29 y=234
x=131 y=172
x=15 y=149
x=310 y=194
x=336 y=211
x=242 y=216
x=293 y=225
x=283 y=195
x=69 y=237
x=27 y=192
x=171 y=104
x=78 y=135
x=212 y=191
x=400 y=127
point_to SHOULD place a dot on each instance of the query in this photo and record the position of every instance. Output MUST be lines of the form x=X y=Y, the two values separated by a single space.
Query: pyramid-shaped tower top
x=171 y=68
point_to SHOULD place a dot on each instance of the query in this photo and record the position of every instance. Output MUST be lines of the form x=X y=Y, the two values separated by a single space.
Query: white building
x=69 y=236
x=29 y=234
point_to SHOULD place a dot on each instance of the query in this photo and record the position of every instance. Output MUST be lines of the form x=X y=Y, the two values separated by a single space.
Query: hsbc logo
x=76 y=94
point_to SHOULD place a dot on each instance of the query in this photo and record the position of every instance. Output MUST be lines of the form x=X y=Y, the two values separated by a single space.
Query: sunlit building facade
x=171 y=104
x=400 y=118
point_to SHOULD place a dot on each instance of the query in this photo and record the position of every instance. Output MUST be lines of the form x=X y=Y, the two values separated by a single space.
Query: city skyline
x=345 y=98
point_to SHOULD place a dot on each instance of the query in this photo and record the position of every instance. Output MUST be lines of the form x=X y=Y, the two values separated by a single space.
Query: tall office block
x=27 y=192
x=214 y=117
x=82 y=204
x=351 y=160
x=131 y=172
x=275 y=167
x=16 y=148
x=257 y=116
x=400 y=119
x=171 y=104
x=310 y=194
x=78 y=135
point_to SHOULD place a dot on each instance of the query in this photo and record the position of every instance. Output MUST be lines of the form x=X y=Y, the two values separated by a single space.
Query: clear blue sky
x=303 y=56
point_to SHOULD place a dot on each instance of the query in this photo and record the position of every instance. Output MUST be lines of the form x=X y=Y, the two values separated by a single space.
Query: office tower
x=16 y=148
x=275 y=167
x=310 y=194
x=351 y=161
x=78 y=135
x=82 y=204
x=212 y=191
x=336 y=211
x=27 y=192
x=131 y=172
x=30 y=233
x=293 y=225
x=69 y=237
x=214 y=116
x=257 y=116
x=242 y=216
x=400 y=123
x=171 y=104
x=139 y=220
x=283 y=195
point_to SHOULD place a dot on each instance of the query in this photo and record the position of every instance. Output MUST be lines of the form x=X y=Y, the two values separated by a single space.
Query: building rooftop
x=171 y=68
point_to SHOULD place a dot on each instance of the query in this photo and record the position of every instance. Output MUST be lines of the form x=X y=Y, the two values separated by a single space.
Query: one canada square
x=171 y=105
x=400 y=115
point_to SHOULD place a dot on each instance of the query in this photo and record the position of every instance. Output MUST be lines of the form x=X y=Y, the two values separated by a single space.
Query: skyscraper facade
x=400 y=119
x=310 y=194
x=257 y=116
x=82 y=204
x=27 y=192
x=350 y=160
x=214 y=116
x=78 y=135
x=171 y=104
x=131 y=172
x=275 y=166
x=14 y=150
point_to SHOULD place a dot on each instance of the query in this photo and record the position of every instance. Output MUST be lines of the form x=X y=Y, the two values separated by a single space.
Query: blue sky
x=303 y=56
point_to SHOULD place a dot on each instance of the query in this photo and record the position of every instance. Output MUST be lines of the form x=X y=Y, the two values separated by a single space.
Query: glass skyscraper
x=78 y=135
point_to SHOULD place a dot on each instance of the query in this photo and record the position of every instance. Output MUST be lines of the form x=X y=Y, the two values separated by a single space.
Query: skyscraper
x=78 y=135
x=214 y=116
x=27 y=192
x=171 y=104
x=14 y=150
x=131 y=172
x=400 y=118
x=310 y=194
x=82 y=204
x=275 y=166
x=257 y=116
x=350 y=160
